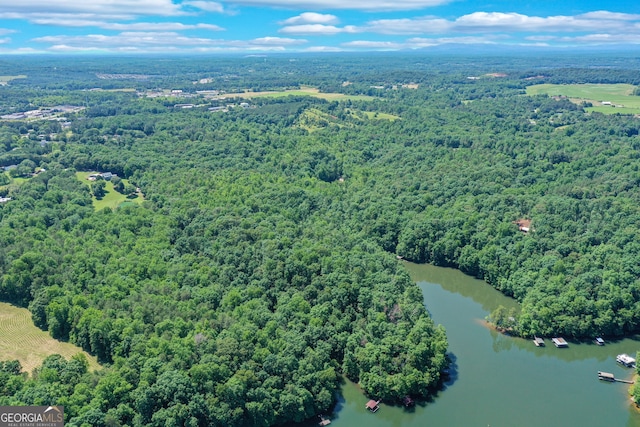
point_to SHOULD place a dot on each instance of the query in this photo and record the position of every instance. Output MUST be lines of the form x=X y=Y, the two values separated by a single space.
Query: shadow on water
x=450 y=375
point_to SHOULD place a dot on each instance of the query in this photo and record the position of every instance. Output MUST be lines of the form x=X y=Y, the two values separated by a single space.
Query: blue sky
x=258 y=26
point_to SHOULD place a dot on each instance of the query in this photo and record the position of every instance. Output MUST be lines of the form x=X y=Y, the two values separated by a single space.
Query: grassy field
x=314 y=119
x=307 y=91
x=9 y=78
x=112 y=199
x=619 y=95
x=373 y=115
x=21 y=340
x=12 y=182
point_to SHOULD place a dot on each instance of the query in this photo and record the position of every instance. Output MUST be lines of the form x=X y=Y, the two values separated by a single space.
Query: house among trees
x=524 y=225
x=104 y=175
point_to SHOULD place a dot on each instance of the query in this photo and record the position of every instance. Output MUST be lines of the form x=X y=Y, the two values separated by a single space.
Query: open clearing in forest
x=21 y=340
x=5 y=79
x=112 y=199
x=304 y=91
x=314 y=119
x=376 y=115
x=606 y=98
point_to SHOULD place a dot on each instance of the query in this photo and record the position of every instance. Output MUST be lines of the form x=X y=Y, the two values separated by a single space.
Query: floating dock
x=560 y=342
x=539 y=342
x=599 y=341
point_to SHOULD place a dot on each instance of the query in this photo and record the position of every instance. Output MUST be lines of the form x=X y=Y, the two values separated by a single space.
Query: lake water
x=501 y=381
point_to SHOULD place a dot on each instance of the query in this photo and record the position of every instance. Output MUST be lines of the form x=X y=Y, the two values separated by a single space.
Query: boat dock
x=324 y=421
x=373 y=405
x=626 y=360
x=606 y=376
x=539 y=342
x=560 y=342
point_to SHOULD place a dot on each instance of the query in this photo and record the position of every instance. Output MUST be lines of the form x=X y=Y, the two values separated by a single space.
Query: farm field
x=307 y=91
x=606 y=98
x=112 y=198
x=21 y=340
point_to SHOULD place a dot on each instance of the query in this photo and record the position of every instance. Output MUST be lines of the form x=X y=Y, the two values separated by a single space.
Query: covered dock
x=606 y=376
x=560 y=342
x=539 y=342
x=373 y=405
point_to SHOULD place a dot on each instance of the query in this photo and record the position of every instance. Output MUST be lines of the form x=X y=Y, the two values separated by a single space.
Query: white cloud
x=21 y=51
x=97 y=7
x=324 y=49
x=278 y=41
x=311 y=18
x=5 y=40
x=135 y=26
x=479 y=22
x=419 y=42
x=425 y=42
x=593 y=39
x=4 y=31
x=378 y=45
x=603 y=14
x=206 y=6
x=425 y=25
x=317 y=30
x=367 y=5
x=160 y=42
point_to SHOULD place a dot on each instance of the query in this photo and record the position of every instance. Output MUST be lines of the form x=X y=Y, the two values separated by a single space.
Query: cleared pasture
x=605 y=98
x=112 y=199
x=21 y=340
x=306 y=91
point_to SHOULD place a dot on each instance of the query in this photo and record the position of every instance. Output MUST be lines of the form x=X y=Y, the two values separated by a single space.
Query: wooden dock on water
x=607 y=376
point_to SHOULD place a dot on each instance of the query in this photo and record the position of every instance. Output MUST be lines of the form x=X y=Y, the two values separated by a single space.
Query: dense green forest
x=261 y=267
